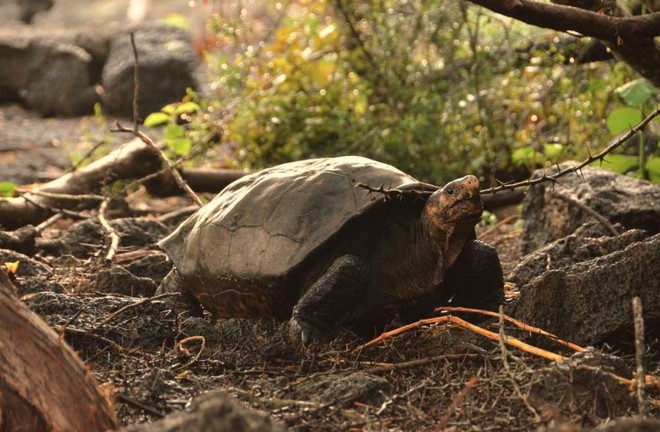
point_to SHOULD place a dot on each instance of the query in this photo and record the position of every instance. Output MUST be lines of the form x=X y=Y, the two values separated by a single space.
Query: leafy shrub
x=438 y=89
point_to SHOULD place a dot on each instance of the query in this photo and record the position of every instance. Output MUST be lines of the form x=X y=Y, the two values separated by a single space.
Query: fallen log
x=43 y=384
x=132 y=160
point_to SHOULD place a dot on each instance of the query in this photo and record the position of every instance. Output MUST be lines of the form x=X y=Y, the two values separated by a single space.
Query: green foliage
x=623 y=119
x=175 y=135
x=7 y=189
x=438 y=89
x=637 y=95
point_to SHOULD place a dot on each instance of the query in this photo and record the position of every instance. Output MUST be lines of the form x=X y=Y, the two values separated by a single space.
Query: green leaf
x=180 y=146
x=623 y=119
x=186 y=107
x=553 y=151
x=653 y=169
x=169 y=108
x=176 y=20
x=155 y=119
x=7 y=189
x=174 y=131
x=620 y=163
x=636 y=93
x=523 y=155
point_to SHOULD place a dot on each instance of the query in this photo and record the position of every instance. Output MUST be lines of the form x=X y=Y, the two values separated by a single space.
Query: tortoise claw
x=303 y=332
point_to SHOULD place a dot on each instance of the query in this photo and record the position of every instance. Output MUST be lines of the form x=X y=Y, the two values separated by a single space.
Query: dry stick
x=521 y=325
x=115 y=314
x=508 y=370
x=81 y=197
x=136 y=82
x=182 y=342
x=639 y=355
x=109 y=230
x=148 y=141
x=454 y=403
x=48 y=222
x=394 y=397
x=137 y=404
x=497 y=226
x=591 y=212
x=475 y=329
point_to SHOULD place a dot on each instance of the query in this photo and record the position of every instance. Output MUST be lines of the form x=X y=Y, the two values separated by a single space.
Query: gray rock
x=590 y=302
x=47 y=72
x=86 y=237
x=22 y=10
x=167 y=65
x=118 y=280
x=630 y=202
x=587 y=242
x=215 y=411
x=345 y=390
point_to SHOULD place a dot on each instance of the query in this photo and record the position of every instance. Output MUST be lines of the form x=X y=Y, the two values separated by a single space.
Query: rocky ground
x=566 y=273
x=158 y=357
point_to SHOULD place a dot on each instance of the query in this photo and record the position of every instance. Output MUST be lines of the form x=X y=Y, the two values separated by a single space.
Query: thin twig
x=61 y=196
x=498 y=225
x=182 y=342
x=394 y=397
x=398 y=193
x=454 y=403
x=136 y=82
x=474 y=328
x=591 y=212
x=521 y=325
x=575 y=168
x=509 y=372
x=639 y=356
x=175 y=173
x=144 y=138
x=48 y=222
x=137 y=404
x=115 y=314
x=109 y=230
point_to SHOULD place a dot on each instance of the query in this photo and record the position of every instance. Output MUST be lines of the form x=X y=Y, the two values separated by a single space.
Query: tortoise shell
x=264 y=224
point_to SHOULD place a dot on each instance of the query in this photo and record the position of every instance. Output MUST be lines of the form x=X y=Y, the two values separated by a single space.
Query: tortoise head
x=457 y=206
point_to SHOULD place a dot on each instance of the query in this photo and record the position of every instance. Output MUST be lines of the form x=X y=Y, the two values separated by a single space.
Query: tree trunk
x=43 y=384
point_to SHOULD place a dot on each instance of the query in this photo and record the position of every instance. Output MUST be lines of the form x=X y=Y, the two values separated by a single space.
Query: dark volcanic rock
x=118 y=280
x=22 y=10
x=86 y=237
x=167 y=65
x=212 y=412
x=590 y=302
x=344 y=390
x=621 y=199
x=588 y=242
x=49 y=74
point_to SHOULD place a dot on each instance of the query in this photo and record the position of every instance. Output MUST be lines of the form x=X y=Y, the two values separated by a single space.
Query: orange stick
x=519 y=324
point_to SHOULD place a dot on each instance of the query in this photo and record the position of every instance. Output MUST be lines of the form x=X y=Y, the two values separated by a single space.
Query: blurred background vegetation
x=437 y=88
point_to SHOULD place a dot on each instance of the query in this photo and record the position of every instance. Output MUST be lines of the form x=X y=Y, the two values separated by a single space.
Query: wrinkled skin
x=365 y=286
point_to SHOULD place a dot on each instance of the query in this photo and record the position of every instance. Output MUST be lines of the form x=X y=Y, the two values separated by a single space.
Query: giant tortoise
x=300 y=241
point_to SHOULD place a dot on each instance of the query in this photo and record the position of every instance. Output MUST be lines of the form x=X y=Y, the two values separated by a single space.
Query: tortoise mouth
x=467 y=211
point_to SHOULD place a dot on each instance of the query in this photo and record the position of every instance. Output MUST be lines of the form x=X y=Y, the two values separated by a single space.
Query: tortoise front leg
x=328 y=299
x=475 y=279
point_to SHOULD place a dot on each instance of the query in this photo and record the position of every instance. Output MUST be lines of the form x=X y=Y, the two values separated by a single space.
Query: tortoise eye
x=450 y=191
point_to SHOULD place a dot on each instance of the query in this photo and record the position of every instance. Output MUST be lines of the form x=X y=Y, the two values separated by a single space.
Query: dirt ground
x=157 y=356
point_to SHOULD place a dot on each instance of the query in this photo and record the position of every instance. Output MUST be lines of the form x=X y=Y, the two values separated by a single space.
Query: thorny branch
x=545 y=177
